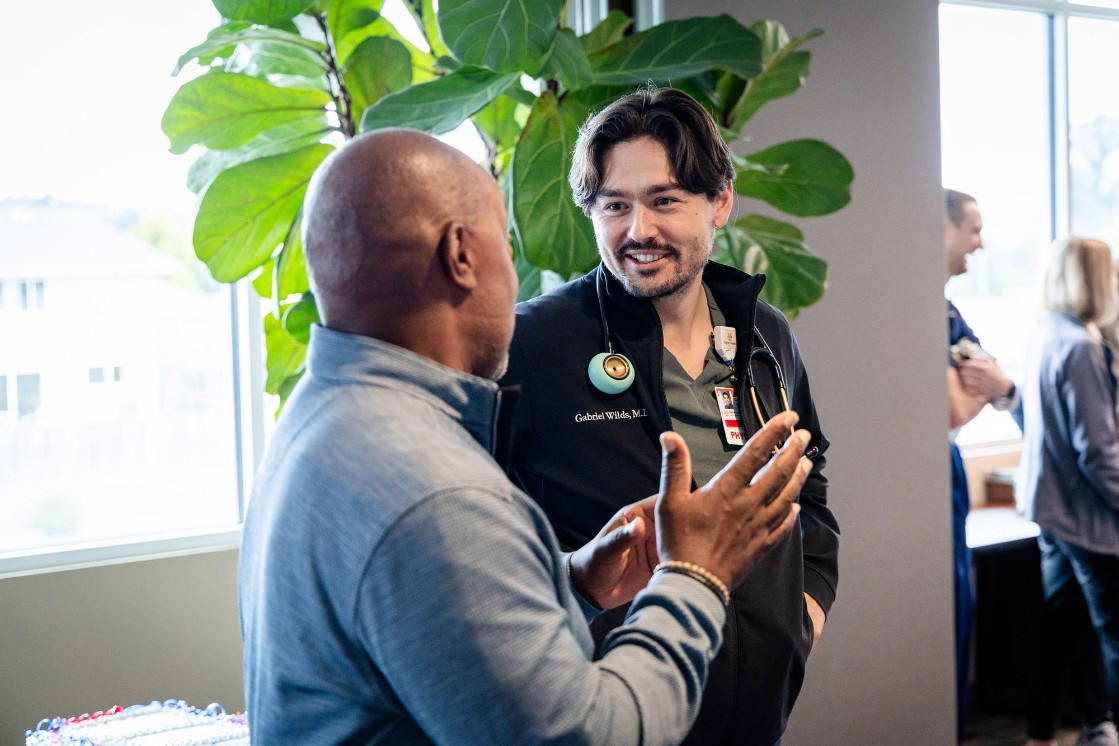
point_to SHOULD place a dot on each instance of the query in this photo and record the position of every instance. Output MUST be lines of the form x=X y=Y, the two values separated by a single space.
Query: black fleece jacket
x=582 y=454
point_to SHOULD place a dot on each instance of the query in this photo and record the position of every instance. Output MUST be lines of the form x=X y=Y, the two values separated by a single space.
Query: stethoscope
x=612 y=373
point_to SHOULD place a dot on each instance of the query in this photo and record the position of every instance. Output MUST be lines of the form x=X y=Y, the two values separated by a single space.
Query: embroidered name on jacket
x=619 y=414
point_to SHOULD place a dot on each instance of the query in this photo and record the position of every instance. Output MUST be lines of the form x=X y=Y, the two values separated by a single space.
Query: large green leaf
x=439 y=105
x=268 y=12
x=281 y=64
x=299 y=316
x=679 y=49
x=344 y=17
x=800 y=177
x=568 y=62
x=500 y=122
x=535 y=281
x=285 y=355
x=554 y=232
x=726 y=90
x=262 y=280
x=529 y=283
x=249 y=209
x=282 y=139
x=430 y=25
x=377 y=67
x=291 y=267
x=795 y=277
x=501 y=35
x=221 y=42
x=285 y=274
x=423 y=63
x=783 y=70
x=610 y=31
x=359 y=20
x=225 y=110
x=423 y=14
x=383 y=28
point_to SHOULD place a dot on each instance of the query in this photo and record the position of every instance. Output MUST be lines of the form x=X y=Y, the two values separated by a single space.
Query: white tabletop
x=992 y=529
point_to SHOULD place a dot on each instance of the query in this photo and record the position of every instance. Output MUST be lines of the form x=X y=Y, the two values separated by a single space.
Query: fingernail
x=666 y=443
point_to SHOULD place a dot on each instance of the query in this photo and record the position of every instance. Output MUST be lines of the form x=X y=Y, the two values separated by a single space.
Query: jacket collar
x=735 y=291
x=473 y=402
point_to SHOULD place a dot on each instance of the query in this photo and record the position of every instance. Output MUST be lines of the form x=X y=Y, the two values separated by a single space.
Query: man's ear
x=456 y=256
x=723 y=202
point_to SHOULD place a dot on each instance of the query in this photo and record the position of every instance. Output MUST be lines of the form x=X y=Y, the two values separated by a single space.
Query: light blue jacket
x=396 y=588
x=1069 y=476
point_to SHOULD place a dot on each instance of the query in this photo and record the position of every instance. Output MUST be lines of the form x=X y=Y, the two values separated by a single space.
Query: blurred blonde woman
x=1069 y=485
x=1111 y=331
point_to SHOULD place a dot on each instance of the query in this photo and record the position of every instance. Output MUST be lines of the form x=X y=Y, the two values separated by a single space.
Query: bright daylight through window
x=1030 y=127
x=117 y=390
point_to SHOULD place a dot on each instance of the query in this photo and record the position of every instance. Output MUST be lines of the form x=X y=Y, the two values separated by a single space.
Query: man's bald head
x=406 y=241
x=374 y=216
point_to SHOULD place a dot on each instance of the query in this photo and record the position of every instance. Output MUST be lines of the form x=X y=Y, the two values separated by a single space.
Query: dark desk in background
x=1007 y=570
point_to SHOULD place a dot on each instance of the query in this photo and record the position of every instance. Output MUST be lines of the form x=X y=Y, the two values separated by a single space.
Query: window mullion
x=1049 y=7
x=1058 y=124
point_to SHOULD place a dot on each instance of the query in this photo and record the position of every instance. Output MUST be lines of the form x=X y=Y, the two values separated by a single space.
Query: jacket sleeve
x=819 y=528
x=477 y=636
x=1086 y=392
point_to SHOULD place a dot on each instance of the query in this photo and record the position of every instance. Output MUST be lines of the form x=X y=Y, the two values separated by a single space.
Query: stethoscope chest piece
x=610 y=372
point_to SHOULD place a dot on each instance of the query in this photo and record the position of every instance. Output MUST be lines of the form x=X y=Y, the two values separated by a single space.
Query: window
x=1093 y=128
x=27 y=394
x=129 y=424
x=31 y=294
x=1030 y=127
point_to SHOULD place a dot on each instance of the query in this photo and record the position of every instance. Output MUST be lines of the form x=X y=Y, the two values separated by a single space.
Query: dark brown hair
x=954 y=204
x=697 y=153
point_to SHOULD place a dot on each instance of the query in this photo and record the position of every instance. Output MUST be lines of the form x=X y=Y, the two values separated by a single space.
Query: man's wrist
x=579 y=593
x=1006 y=401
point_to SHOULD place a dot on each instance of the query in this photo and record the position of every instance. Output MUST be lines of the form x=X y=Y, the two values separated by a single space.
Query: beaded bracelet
x=701 y=574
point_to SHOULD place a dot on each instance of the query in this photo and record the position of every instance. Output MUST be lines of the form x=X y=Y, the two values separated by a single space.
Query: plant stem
x=337 y=84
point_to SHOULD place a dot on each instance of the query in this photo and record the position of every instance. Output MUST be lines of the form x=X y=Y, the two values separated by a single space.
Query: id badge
x=725 y=340
x=728 y=413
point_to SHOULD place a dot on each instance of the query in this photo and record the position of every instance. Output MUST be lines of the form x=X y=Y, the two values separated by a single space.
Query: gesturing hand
x=746 y=509
x=612 y=567
x=983 y=378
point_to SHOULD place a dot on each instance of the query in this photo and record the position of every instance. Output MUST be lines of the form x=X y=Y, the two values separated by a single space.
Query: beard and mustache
x=680 y=278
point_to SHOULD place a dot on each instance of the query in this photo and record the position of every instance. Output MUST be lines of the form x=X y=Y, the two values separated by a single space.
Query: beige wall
x=874 y=347
x=85 y=640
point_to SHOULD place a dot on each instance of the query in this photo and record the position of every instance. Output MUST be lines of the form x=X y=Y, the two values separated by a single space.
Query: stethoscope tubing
x=762 y=353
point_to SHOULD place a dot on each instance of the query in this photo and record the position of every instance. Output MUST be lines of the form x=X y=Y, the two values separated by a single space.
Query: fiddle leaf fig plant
x=285 y=82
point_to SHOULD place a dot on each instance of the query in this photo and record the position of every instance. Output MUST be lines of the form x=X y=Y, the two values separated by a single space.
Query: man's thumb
x=676 y=465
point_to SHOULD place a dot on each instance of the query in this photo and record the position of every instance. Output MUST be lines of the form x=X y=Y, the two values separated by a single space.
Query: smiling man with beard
x=646 y=332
